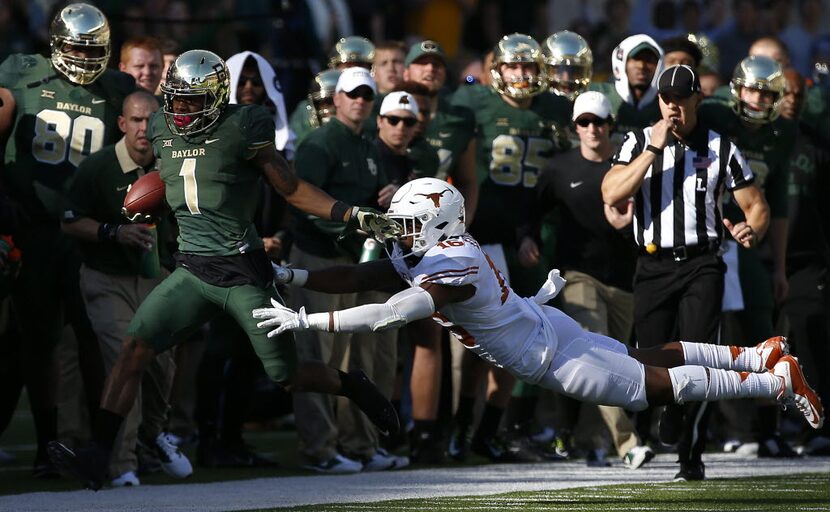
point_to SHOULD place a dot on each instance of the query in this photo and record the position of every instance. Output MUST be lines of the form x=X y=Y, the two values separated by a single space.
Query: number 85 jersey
x=495 y=323
x=512 y=146
x=57 y=124
x=210 y=180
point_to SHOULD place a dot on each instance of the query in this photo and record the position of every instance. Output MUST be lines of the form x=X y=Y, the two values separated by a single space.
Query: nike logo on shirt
x=210 y=141
x=95 y=102
x=575 y=184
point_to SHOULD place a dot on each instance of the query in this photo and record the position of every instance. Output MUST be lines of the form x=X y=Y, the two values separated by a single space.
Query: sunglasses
x=255 y=80
x=597 y=121
x=361 y=92
x=409 y=122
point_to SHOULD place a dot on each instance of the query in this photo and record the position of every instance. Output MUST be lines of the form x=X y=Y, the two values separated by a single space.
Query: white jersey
x=495 y=323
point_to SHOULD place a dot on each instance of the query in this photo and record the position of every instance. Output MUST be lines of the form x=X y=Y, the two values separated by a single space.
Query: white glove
x=286 y=318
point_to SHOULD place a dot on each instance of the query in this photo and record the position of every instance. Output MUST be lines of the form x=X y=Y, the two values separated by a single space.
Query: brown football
x=146 y=196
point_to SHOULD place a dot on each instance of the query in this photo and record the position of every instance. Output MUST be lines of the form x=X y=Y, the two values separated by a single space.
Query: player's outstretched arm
x=372 y=275
x=311 y=199
x=402 y=308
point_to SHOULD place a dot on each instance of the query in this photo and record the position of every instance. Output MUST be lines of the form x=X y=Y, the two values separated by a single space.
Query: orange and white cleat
x=795 y=390
x=771 y=351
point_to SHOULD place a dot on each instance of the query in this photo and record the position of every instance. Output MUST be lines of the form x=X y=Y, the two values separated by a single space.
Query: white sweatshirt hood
x=618 y=60
x=284 y=138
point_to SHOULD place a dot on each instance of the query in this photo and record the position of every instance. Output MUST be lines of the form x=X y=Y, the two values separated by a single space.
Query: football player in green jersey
x=636 y=62
x=55 y=112
x=751 y=121
x=211 y=156
x=513 y=135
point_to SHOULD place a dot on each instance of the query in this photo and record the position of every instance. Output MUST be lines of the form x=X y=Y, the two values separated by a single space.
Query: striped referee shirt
x=679 y=202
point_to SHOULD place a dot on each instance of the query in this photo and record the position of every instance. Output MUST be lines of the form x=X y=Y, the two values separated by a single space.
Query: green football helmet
x=569 y=63
x=321 y=97
x=80 y=27
x=196 y=73
x=763 y=74
x=352 y=51
x=518 y=48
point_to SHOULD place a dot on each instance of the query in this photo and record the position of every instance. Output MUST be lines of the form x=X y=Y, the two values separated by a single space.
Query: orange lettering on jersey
x=446 y=244
x=505 y=291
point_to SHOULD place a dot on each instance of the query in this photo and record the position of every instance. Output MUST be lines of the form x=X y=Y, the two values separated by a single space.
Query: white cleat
x=795 y=390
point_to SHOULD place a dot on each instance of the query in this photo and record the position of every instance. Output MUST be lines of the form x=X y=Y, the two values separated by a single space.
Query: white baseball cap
x=592 y=102
x=399 y=100
x=352 y=78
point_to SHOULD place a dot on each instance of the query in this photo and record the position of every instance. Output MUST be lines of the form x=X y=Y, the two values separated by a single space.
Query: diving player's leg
x=760 y=358
x=279 y=357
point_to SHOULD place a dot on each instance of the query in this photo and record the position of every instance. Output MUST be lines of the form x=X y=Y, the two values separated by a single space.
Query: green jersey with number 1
x=57 y=125
x=210 y=181
x=512 y=146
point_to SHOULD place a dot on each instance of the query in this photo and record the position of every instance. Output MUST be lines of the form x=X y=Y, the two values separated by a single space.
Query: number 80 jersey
x=210 y=181
x=57 y=125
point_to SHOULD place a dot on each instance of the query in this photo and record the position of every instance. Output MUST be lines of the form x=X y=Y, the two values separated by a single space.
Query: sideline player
x=54 y=112
x=455 y=282
x=211 y=156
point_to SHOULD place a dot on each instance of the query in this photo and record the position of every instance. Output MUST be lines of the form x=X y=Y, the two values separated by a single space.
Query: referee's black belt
x=681 y=253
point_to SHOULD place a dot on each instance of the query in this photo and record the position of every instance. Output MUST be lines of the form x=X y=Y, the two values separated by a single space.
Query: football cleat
x=88 y=464
x=374 y=405
x=690 y=472
x=771 y=351
x=795 y=390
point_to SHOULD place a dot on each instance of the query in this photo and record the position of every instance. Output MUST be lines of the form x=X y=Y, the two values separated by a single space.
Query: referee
x=677 y=171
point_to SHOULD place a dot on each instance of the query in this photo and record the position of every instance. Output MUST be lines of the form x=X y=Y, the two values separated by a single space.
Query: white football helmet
x=429 y=210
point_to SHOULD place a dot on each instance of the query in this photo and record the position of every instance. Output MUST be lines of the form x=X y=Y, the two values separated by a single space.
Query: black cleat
x=374 y=405
x=88 y=464
x=498 y=449
x=690 y=471
x=776 y=447
x=459 y=445
x=671 y=424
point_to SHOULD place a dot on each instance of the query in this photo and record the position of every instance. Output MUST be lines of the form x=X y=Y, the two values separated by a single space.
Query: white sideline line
x=390 y=485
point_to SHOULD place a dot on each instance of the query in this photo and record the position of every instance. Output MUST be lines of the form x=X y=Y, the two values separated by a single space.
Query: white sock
x=726 y=357
x=699 y=384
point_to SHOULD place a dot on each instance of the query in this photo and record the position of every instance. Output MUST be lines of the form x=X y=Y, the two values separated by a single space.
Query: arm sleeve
x=401 y=308
x=633 y=144
x=738 y=173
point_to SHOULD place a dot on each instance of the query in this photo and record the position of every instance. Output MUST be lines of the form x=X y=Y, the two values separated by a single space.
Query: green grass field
x=780 y=494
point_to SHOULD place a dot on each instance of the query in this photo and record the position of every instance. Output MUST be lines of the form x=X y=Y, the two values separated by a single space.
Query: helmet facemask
x=763 y=74
x=569 y=63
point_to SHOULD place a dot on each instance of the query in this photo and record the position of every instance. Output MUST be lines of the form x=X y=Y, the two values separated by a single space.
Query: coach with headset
x=677 y=171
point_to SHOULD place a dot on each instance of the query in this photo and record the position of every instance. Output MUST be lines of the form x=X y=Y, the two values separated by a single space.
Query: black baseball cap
x=680 y=80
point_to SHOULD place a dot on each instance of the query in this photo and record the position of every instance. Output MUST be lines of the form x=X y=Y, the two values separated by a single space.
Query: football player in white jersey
x=452 y=280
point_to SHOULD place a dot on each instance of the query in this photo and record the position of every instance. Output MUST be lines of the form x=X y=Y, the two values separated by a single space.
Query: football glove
x=285 y=318
x=373 y=223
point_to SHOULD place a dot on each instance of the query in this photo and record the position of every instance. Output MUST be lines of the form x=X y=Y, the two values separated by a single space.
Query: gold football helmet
x=763 y=74
x=196 y=73
x=518 y=48
x=321 y=97
x=79 y=39
x=352 y=51
x=569 y=63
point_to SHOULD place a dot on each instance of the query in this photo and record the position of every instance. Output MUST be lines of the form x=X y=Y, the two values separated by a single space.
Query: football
x=145 y=197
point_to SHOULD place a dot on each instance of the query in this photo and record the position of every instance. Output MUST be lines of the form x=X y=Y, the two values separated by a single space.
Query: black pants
x=808 y=310
x=679 y=301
